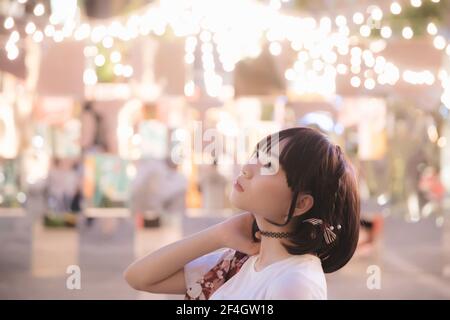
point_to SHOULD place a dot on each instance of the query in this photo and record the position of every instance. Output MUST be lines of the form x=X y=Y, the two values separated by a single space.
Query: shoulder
x=298 y=285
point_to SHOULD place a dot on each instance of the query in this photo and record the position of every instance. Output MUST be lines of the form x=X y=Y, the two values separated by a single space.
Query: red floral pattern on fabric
x=226 y=268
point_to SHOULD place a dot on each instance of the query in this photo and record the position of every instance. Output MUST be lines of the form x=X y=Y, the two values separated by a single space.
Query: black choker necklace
x=271 y=234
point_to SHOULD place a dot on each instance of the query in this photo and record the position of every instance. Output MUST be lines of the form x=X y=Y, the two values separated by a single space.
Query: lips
x=238 y=186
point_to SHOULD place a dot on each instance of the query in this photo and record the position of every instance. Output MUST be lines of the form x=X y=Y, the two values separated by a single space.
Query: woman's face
x=262 y=188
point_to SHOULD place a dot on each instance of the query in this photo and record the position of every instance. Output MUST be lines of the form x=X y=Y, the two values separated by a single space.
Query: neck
x=271 y=249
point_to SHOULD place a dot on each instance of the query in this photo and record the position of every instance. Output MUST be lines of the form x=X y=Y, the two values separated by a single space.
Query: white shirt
x=297 y=277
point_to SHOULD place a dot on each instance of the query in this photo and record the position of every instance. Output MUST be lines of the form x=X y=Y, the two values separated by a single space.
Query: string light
x=418 y=77
x=9 y=23
x=369 y=84
x=189 y=89
x=30 y=28
x=320 y=45
x=364 y=31
x=289 y=74
x=39 y=10
x=358 y=18
x=108 y=42
x=38 y=36
x=115 y=56
x=82 y=32
x=275 y=48
x=89 y=77
x=355 y=81
x=99 y=60
x=355 y=69
x=275 y=4
x=439 y=42
x=49 y=30
x=14 y=37
x=205 y=36
x=396 y=8
x=376 y=14
x=127 y=71
x=340 y=21
x=341 y=68
x=90 y=51
x=98 y=33
x=53 y=19
x=386 y=32
x=325 y=25
x=356 y=51
x=432 y=29
x=407 y=33
x=189 y=58
x=118 y=69
x=416 y=3
x=377 y=46
x=13 y=52
x=317 y=65
x=58 y=36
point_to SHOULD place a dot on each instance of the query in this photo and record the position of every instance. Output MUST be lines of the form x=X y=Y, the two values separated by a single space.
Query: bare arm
x=163 y=270
x=174 y=284
x=153 y=272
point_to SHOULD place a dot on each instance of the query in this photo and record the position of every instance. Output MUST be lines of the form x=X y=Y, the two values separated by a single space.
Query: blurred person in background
x=62 y=185
x=371 y=216
x=433 y=190
x=157 y=189
x=76 y=203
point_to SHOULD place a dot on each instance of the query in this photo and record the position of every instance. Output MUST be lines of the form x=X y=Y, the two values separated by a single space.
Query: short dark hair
x=315 y=166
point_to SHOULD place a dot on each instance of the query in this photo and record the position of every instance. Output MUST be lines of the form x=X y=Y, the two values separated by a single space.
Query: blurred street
x=126 y=125
x=34 y=259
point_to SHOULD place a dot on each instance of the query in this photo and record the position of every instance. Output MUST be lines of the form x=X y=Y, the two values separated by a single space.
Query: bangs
x=265 y=145
x=287 y=156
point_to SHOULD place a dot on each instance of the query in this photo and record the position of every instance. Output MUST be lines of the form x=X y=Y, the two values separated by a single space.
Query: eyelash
x=268 y=165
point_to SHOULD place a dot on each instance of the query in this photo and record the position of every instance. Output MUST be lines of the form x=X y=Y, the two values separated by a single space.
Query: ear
x=304 y=203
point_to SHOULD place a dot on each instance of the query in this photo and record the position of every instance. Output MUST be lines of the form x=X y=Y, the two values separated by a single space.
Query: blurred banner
x=106 y=180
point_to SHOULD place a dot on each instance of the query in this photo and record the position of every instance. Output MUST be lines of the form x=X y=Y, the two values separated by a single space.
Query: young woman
x=300 y=220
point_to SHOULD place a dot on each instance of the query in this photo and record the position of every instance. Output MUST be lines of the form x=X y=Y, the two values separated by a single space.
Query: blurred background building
x=104 y=106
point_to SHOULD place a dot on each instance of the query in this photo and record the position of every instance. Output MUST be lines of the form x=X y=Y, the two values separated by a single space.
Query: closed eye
x=268 y=165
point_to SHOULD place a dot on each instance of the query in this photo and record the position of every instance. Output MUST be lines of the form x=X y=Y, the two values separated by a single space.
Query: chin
x=237 y=201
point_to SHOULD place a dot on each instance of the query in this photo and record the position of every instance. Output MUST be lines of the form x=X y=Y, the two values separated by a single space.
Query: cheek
x=271 y=195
